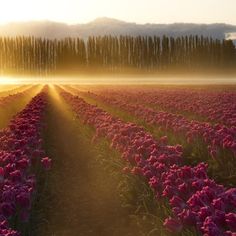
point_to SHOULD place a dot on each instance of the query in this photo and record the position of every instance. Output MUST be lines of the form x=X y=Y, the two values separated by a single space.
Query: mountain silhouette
x=109 y=26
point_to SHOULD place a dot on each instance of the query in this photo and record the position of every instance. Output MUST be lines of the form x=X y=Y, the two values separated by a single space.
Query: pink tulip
x=173 y=225
x=47 y=163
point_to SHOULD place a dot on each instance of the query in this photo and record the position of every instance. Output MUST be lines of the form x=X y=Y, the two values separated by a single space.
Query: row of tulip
x=216 y=137
x=6 y=100
x=195 y=199
x=5 y=88
x=13 y=89
x=20 y=152
x=214 y=106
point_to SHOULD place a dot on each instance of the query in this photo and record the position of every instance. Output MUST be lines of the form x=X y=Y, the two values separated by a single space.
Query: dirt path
x=80 y=197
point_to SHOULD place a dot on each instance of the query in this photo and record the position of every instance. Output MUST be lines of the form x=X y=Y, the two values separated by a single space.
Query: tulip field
x=117 y=160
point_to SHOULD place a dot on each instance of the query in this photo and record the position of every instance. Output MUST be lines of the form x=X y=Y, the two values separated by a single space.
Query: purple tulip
x=231 y=221
x=7 y=209
x=47 y=163
x=23 y=199
x=16 y=176
x=173 y=225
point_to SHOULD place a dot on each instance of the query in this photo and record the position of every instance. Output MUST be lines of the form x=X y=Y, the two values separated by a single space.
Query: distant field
x=6 y=87
x=91 y=80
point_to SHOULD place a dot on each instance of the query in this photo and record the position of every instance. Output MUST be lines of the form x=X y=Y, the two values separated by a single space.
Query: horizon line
x=108 y=18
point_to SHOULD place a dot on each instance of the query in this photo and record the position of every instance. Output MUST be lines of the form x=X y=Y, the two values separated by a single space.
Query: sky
x=139 y=11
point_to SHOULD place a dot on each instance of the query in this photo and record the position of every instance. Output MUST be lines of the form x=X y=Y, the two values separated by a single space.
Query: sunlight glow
x=117 y=80
x=8 y=80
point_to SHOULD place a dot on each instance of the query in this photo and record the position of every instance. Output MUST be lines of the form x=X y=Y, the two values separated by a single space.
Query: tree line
x=24 y=55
